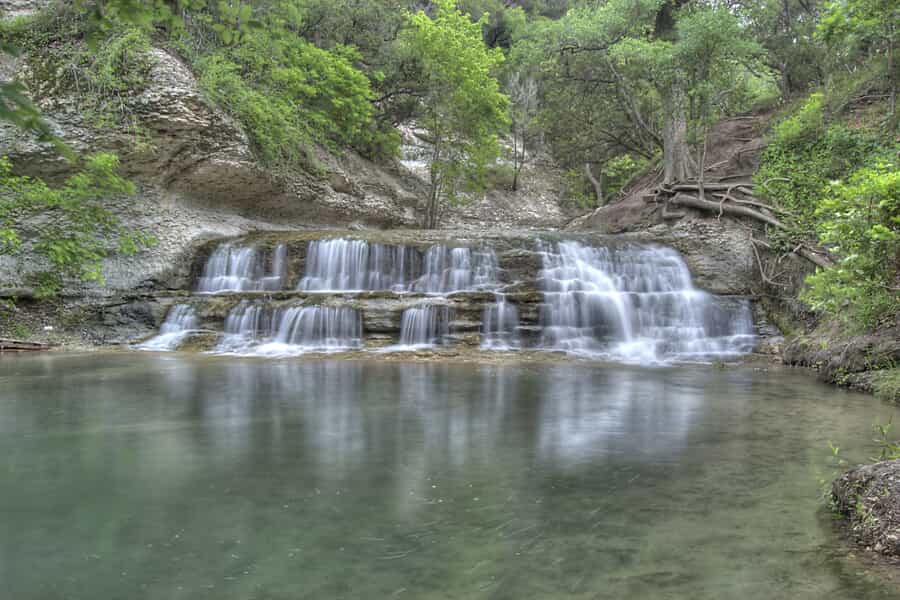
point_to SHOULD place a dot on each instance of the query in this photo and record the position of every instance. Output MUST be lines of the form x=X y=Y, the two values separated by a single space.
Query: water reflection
x=149 y=477
x=614 y=414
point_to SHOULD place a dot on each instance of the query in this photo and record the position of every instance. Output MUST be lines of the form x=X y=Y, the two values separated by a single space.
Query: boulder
x=868 y=497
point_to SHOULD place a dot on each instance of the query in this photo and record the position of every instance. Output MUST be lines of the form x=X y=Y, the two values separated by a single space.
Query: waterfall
x=345 y=265
x=500 y=323
x=256 y=329
x=233 y=268
x=246 y=324
x=319 y=327
x=357 y=265
x=450 y=270
x=621 y=301
x=424 y=326
x=179 y=323
x=634 y=303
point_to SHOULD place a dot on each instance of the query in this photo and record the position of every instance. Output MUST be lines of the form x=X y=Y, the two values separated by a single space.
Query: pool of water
x=137 y=476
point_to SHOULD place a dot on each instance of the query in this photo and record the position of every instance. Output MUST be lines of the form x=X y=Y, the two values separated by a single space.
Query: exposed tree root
x=729 y=209
x=737 y=200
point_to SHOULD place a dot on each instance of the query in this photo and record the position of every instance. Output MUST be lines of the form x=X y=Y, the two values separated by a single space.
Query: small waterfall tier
x=342 y=265
x=500 y=325
x=450 y=270
x=346 y=265
x=233 y=268
x=179 y=323
x=634 y=303
x=259 y=329
x=424 y=326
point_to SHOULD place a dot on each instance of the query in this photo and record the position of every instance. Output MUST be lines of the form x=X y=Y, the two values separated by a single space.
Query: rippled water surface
x=140 y=476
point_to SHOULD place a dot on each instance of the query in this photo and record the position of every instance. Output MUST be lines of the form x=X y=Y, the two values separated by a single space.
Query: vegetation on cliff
x=838 y=182
x=68 y=226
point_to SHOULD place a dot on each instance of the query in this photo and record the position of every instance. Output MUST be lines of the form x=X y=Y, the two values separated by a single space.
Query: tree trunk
x=892 y=76
x=597 y=183
x=676 y=152
x=517 y=164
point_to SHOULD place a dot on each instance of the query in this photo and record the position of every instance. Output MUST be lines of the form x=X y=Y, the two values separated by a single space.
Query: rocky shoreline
x=868 y=498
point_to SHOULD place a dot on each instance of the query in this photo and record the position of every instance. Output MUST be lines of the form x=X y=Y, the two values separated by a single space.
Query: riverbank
x=868 y=499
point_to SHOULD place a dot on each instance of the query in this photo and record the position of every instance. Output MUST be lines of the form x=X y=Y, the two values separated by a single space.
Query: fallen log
x=21 y=346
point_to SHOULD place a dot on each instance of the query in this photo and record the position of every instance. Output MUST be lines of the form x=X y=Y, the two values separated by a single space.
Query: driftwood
x=20 y=346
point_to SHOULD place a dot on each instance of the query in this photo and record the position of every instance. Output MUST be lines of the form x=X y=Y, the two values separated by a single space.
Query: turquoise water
x=173 y=477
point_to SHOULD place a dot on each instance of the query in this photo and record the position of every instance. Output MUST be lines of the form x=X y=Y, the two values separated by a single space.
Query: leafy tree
x=870 y=25
x=637 y=77
x=461 y=106
x=501 y=23
x=523 y=97
x=586 y=113
x=785 y=29
x=69 y=226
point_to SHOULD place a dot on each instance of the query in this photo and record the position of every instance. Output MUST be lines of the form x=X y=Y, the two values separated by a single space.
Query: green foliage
x=860 y=31
x=619 y=171
x=614 y=174
x=606 y=76
x=101 y=75
x=288 y=93
x=841 y=188
x=889 y=449
x=500 y=176
x=784 y=28
x=860 y=222
x=69 y=226
x=886 y=384
x=807 y=153
x=461 y=106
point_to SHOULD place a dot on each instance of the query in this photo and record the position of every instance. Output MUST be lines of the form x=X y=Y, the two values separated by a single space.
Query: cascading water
x=622 y=301
x=357 y=265
x=255 y=329
x=634 y=303
x=500 y=323
x=450 y=270
x=245 y=326
x=424 y=326
x=344 y=265
x=319 y=327
x=233 y=268
x=179 y=323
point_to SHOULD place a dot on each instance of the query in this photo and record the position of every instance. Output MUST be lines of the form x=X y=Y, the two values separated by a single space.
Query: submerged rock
x=868 y=497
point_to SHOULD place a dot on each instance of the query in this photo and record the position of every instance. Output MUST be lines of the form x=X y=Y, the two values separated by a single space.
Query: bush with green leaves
x=805 y=155
x=859 y=220
x=65 y=54
x=70 y=225
x=288 y=93
x=840 y=186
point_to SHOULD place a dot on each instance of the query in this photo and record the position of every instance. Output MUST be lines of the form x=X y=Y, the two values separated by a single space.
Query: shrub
x=76 y=230
x=859 y=221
